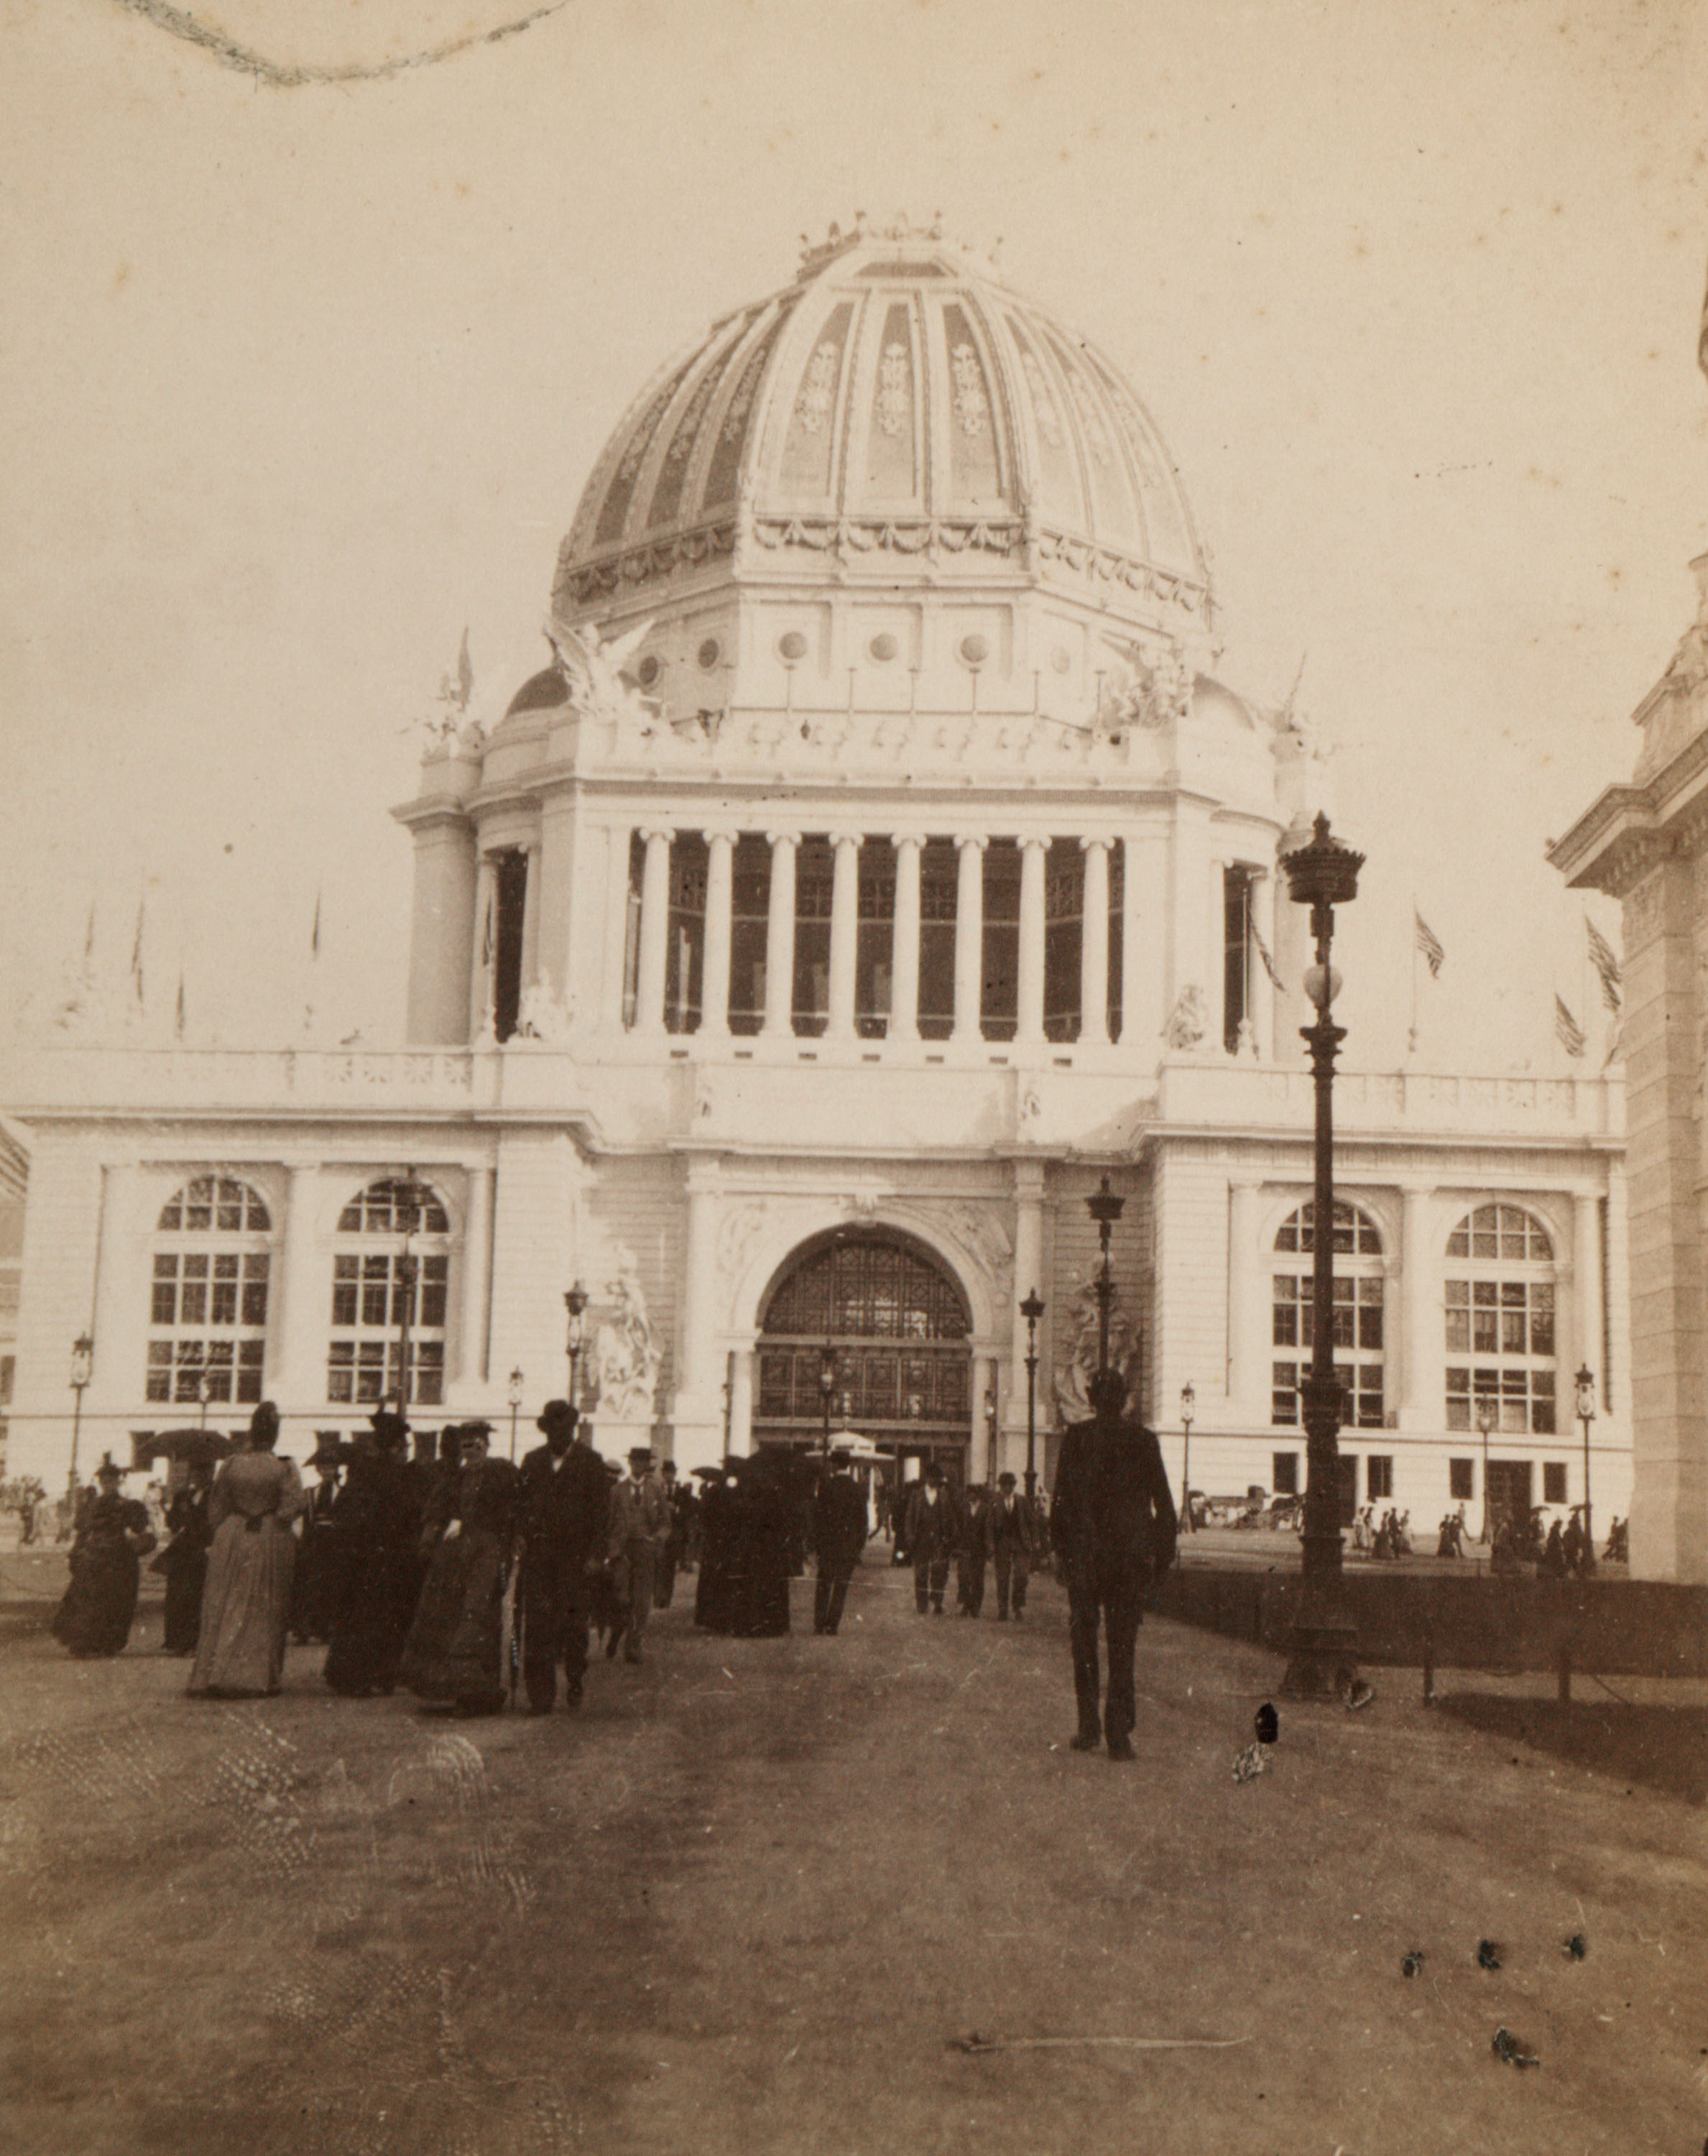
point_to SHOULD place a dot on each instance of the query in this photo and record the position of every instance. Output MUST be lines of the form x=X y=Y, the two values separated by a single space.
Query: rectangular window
x=999 y=1001
x=1523 y=1399
x=1236 y=971
x=503 y=930
x=1461 y=1474
x=815 y=877
x=1064 y=937
x=686 y=948
x=939 y=896
x=749 y=906
x=1117 y=910
x=1554 y=1482
x=1378 y=1475
x=1283 y=1400
x=1285 y=1477
x=631 y=927
x=875 y=938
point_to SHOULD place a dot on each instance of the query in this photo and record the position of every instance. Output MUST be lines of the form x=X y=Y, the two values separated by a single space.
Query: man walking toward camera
x=1112 y=1522
x=1011 y=1534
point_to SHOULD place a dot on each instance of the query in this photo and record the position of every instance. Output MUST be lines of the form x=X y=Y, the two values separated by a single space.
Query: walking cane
x=515 y=1624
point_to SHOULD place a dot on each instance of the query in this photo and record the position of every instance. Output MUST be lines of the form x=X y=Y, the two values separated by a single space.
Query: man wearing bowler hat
x=1011 y=1535
x=839 y=1536
x=565 y=1515
x=640 y=1521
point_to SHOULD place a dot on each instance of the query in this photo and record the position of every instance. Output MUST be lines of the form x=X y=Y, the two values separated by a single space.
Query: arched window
x=1500 y=1320
x=898 y=1329
x=208 y=1307
x=1357 y=1314
x=394 y=1263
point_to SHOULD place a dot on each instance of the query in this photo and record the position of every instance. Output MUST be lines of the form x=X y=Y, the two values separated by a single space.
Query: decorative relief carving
x=972 y=407
x=818 y=389
x=641 y=565
x=1188 y=1022
x=737 y=1233
x=894 y=391
x=626 y=1355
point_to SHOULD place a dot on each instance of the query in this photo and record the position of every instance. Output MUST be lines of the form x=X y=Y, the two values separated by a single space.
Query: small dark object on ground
x=1577 y=1946
x=1411 y=1963
x=1488 y=1954
x=1506 y=2048
x=1268 y=1724
x=1359 y=1696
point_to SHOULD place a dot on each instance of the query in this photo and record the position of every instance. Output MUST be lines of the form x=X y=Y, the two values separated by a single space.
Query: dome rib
x=896 y=391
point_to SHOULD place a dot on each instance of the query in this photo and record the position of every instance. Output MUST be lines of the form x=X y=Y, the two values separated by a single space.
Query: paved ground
x=751 y=1899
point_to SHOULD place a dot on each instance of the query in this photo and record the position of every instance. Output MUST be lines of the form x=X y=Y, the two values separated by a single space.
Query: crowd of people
x=425 y=1573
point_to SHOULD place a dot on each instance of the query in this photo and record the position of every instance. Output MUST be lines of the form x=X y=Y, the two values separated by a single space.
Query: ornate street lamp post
x=1486 y=1411
x=515 y=1402
x=1322 y=876
x=827 y=1393
x=1105 y=1209
x=204 y=1393
x=575 y=1303
x=82 y=1370
x=1586 y=1415
x=1032 y=1310
x=990 y=1431
x=1188 y=1401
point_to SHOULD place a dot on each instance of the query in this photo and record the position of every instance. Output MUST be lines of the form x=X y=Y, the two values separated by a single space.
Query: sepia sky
x=296 y=382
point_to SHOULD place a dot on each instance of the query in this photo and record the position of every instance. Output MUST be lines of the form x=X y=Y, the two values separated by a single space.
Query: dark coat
x=94 y=1616
x=838 y=1531
x=455 y=1645
x=565 y=1511
x=378 y=1516
x=1112 y=1515
x=184 y=1561
x=933 y=1531
x=1011 y=1527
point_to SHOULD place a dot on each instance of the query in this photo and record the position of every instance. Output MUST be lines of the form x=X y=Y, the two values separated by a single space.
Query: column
x=1262 y=989
x=1250 y=1328
x=741 y=1400
x=698 y=1411
x=1586 y=1302
x=301 y=1302
x=1029 y=1274
x=616 y=925
x=654 y=929
x=904 y=957
x=780 y=938
x=844 y=929
x=1029 y=1030
x=1416 y=1327
x=476 y=1278
x=119 y=1307
x=984 y=1376
x=969 y=936
x=714 y=973
x=1144 y=944
x=1094 y=945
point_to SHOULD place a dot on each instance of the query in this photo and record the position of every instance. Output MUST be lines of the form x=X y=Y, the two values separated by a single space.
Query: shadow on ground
x=1665 y=1747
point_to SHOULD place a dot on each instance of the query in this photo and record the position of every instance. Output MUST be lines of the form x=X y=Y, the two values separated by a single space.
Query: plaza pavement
x=757 y=1895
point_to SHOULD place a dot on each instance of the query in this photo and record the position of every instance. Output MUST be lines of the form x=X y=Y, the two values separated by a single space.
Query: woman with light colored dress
x=245 y=1605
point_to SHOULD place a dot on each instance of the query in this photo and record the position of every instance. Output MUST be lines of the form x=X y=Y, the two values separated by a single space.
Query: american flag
x=1570 y=1033
x=1601 y=956
x=1429 y=942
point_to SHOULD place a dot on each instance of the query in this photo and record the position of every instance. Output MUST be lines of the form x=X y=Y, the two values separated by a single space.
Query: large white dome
x=897 y=405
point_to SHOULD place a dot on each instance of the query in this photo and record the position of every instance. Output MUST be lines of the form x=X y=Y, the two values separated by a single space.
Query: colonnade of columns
x=779 y=1018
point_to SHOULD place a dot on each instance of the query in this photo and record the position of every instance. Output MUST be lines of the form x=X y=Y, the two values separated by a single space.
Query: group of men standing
x=978 y=1530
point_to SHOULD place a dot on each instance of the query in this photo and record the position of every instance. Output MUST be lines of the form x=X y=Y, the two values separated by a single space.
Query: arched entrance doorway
x=897 y=1325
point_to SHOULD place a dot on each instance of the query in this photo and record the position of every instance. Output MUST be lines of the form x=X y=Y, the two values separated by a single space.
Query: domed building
x=877 y=864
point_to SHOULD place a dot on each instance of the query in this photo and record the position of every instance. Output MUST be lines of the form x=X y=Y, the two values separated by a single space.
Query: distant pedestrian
x=113 y=1536
x=765 y=1538
x=1551 y=1563
x=1112 y=1521
x=565 y=1509
x=184 y=1560
x=838 y=1535
x=314 y=1592
x=378 y=1516
x=454 y=1654
x=931 y=1532
x=715 y=1522
x=640 y=1522
x=674 y=1548
x=245 y=1605
x=1011 y=1535
x=971 y=1557
x=1573 y=1542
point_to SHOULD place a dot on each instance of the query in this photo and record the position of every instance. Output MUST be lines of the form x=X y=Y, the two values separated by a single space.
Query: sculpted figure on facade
x=1188 y=1022
x=543 y=1016
x=593 y=669
x=1072 y=1377
x=626 y=1355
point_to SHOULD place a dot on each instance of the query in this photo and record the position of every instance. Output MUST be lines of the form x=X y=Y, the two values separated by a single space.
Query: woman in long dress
x=455 y=1653
x=240 y=1650
x=94 y=1618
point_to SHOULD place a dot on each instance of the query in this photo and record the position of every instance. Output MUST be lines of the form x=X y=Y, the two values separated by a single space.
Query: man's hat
x=667 y=1467
x=840 y=1456
x=387 y=1425
x=1107 y=1389
x=641 y=1452
x=933 y=1473
x=709 y=1473
x=108 y=1466
x=1005 y=1480
x=557 y=1415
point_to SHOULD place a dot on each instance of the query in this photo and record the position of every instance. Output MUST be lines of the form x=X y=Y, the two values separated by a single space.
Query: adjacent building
x=877 y=864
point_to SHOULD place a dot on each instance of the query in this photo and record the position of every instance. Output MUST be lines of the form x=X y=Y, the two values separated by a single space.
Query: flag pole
x=1411 y=1047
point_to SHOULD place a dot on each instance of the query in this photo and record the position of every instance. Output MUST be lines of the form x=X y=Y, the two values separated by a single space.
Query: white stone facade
x=877 y=864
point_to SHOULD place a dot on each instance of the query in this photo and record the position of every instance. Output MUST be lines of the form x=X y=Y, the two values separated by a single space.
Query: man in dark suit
x=1011 y=1535
x=933 y=1530
x=838 y=1535
x=1112 y=1522
x=566 y=1517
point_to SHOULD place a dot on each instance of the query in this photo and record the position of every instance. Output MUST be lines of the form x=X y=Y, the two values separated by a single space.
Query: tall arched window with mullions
x=207 y=1303
x=372 y=1294
x=1500 y=1320
x=1358 y=1315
